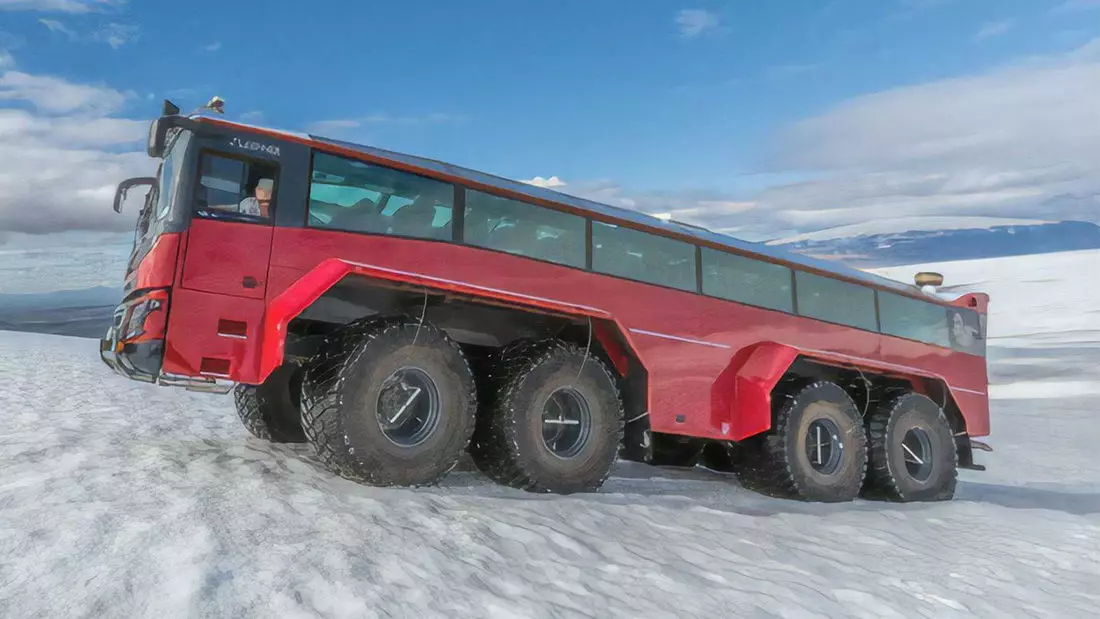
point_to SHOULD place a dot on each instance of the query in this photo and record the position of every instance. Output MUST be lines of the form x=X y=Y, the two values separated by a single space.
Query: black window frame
x=457 y=189
x=202 y=151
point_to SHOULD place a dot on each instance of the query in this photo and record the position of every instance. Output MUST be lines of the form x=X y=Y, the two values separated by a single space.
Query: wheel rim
x=566 y=422
x=824 y=448
x=408 y=406
x=916 y=448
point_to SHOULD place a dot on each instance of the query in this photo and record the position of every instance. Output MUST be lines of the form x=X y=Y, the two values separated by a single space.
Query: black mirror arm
x=126 y=185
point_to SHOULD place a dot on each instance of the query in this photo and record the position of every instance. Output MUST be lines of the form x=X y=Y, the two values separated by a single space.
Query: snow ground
x=124 y=500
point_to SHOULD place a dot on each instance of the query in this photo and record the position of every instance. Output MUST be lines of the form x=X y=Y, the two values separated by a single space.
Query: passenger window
x=645 y=257
x=836 y=301
x=346 y=194
x=913 y=319
x=524 y=229
x=744 y=280
x=235 y=189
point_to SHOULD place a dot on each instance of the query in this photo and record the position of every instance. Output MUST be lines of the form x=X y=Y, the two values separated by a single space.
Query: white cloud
x=7 y=61
x=1018 y=141
x=58 y=96
x=212 y=47
x=1078 y=5
x=116 y=35
x=550 y=183
x=695 y=22
x=251 y=116
x=60 y=158
x=55 y=26
x=349 y=126
x=994 y=28
x=59 y=6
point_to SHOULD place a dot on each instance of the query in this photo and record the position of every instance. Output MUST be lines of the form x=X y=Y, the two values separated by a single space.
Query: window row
x=351 y=195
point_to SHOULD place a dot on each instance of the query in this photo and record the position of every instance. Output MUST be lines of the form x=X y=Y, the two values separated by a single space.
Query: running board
x=201 y=385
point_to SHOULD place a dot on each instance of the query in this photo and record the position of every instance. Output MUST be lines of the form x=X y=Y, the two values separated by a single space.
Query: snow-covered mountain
x=119 y=499
x=886 y=242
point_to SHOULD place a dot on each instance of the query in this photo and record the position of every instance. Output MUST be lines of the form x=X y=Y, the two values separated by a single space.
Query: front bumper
x=138 y=361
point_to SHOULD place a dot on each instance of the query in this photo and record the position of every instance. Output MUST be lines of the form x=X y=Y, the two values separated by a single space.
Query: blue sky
x=759 y=118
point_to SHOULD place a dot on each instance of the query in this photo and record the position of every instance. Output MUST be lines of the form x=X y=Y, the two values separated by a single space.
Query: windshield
x=169 y=173
x=160 y=197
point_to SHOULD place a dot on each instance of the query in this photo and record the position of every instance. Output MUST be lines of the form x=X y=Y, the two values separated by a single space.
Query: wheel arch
x=582 y=325
x=743 y=393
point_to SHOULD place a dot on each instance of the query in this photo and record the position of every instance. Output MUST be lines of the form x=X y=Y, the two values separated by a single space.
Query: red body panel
x=193 y=334
x=711 y=363
x=221 y=254
x=158 y=268
x=688 y=343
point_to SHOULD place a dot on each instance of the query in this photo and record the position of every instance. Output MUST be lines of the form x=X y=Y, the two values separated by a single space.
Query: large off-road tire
x=526 y=436
x=913 y=455
x=389 y=403
x=271 y=411
x=815 y=451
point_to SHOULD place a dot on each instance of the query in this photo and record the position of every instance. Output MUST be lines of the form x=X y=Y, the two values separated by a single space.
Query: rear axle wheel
x=815 y=451
x=913 y=455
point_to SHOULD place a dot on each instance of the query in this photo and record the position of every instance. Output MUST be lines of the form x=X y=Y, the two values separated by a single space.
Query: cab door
x=234 y=200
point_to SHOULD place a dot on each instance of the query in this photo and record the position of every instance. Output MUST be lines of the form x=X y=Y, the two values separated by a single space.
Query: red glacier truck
x=396 y=311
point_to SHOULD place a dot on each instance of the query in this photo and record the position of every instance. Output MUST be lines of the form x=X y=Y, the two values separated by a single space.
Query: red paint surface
x=157 y=269
x=221 y=254
x=721 y=389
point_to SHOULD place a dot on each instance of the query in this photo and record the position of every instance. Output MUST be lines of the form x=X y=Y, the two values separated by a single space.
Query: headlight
x=135 y=327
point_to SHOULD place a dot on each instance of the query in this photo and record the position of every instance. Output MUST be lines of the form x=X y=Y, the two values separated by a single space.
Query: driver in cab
x=259 y=204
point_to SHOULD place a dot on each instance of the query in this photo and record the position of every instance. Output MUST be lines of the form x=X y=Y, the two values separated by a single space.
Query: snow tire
x=912 y=451
x=510 y=446
x=271 y=411
x=350 y=382
x=781 y=461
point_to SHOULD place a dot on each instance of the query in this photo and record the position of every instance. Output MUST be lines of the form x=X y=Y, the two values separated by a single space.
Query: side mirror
x=126 y=185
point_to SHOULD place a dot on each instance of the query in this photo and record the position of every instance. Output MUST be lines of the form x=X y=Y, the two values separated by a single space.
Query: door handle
x=249 y=282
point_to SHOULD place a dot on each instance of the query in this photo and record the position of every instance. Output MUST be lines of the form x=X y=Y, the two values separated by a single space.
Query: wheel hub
x=824 y=449
x=916 y=448
x=408 y=406
x=566 y=422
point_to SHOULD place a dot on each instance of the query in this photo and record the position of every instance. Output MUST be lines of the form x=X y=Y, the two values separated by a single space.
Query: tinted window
x=741 y=279
x=642 y=256
x=235 y=188
x=914 y=319
x=345 y=194
x=524 y=229
x=836 y=301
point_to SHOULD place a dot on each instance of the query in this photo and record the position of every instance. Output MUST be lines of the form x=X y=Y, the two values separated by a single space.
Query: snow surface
x=124 y=500
x=902 y=225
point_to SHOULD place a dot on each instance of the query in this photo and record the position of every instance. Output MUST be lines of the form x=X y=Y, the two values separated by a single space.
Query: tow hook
x=967 y=462
x=979 y=445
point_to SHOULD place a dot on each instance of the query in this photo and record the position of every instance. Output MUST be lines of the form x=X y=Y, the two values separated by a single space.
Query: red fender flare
x=311 y=286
